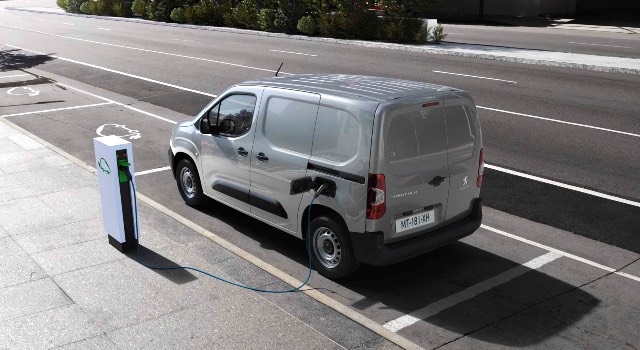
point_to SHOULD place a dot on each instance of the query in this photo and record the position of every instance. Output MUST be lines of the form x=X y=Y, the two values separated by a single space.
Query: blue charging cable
x=135 y=204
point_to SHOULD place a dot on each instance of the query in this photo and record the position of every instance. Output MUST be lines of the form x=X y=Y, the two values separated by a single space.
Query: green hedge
x=348 y=19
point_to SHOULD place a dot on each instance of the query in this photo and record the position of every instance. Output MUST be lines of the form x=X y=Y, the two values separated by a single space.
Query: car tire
x=188 y=182
x=331 y=250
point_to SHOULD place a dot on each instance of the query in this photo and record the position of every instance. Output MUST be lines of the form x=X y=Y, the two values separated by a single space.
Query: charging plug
x=325 y=187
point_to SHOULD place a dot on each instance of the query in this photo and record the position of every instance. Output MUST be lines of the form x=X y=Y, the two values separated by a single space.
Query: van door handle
x=242 y=152
x=261 y=157
x=436 y=181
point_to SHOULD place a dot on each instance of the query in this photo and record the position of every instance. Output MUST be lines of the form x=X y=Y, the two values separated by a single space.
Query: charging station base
x=125 y=247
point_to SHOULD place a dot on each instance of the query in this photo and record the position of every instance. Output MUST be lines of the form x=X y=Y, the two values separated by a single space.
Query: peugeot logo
x=464 y=182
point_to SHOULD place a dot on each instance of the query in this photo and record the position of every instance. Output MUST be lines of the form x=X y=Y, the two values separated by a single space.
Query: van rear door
x=465 y=142
x=412 y=156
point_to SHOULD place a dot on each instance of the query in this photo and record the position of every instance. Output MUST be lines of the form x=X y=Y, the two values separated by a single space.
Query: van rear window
x=416 y=134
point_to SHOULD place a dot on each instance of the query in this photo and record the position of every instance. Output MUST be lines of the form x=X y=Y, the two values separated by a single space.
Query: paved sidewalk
x=509 y=54
x=63 y=286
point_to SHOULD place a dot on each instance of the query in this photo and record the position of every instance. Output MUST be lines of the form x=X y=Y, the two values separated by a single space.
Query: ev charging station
x=114 y=164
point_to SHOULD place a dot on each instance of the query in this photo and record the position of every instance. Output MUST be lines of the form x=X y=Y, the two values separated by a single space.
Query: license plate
x=416 y=220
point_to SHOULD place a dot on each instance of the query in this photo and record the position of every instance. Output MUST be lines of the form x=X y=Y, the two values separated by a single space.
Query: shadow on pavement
x=149 y=257
x=14 y=60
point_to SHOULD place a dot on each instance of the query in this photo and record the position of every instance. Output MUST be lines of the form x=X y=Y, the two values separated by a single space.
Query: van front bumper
x=369 y=247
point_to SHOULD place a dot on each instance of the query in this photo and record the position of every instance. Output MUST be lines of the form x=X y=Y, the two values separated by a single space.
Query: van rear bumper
x=369 y=247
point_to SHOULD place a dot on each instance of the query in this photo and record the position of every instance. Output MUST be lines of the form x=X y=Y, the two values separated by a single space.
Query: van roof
x=361 y=87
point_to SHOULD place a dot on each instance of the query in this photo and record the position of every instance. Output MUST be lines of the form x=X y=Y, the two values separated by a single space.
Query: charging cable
x=135 y=205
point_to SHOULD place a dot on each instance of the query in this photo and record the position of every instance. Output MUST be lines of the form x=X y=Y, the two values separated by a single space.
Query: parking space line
x=621 y=47
x=563 y=185
x=56 y=109
x=560 y=121
x=68 y=24
x=475 y=76
x=294 y=53
x=14 y=76
x=116 y=71
x=104 y=28
x=151 y=171
x=565 y=254
x=469 y=293
x=147 y=50
x=120 y=104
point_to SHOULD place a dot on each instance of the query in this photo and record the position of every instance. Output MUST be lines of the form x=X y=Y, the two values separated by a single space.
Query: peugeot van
x=402 y=163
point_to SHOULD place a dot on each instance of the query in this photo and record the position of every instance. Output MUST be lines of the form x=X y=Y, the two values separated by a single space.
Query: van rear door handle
x=436 y=181
x=261 y=157
x=242 y=151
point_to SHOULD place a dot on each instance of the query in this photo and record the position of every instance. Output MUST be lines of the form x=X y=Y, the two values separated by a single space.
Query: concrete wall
x=524 y=8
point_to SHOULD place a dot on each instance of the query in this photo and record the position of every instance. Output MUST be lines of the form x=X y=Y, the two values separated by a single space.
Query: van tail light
x=480 y=168
x=376 y=197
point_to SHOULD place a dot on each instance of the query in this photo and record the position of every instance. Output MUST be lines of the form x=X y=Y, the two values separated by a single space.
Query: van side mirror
x=204 y=126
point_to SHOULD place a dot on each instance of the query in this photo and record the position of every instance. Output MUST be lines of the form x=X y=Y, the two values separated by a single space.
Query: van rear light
x=376 y=197
x=480 y=168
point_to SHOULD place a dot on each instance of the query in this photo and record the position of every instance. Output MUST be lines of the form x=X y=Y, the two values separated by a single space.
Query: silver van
x=402 y=163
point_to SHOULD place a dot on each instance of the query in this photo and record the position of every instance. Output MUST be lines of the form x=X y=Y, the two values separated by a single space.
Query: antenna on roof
x=278 y=71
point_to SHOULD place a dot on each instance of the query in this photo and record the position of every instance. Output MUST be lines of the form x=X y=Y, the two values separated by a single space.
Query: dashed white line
x=622 y=47
x=294 y=53
x=16 y=75
x=151 y=171
x=119 y=104
x=560 y=121
x=469 y=293
x=68 y=24
x=475 y=76
x=188 y=41
x=56 y=109
x=563 y=185
x=145 y=50
x=558 y=251
x=104 y=28
x=117 y=72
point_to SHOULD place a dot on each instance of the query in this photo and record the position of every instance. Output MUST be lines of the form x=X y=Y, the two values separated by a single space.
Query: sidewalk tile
x=47 y=329
x=8 y=146
x=26 y=142
x=15 y=265
x=77 y=256
x=3 y=233
x=32 y=176
x=16 y=162
x=31 y=297
x=45 y=186
x=61 y=236
x=101 y=342
x=75 y=204
x=215 y=324
x=113 y=296
x=27 y=214
x=6 y=130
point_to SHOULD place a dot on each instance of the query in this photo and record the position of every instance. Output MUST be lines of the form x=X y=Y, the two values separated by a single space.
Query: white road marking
x=16 y=75
x=560 y=121
x=558 y=251
x=471 y=292
x=188 y=41
x=119 y=104
x=117 y=72
x=294 y=53
x=68 y=24
x=104 y=28
x=454 y=33
x=150 y=171
x=622 y=47
x=563 y=185
x=146 y=50
x=28 y=91
x=56 y=109
x=131 y=133
x=475 y=76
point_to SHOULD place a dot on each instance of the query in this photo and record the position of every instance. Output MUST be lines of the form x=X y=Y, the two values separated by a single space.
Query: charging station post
x=114 y=163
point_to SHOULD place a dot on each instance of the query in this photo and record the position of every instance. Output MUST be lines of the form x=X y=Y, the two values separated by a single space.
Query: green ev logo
x=102 y=163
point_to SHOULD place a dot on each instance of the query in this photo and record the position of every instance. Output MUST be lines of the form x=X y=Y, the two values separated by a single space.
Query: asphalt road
x=600 y=160
x=585 y=39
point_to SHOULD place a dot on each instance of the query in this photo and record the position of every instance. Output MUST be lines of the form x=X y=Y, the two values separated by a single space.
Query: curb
x=270 y=269
x=359 y=43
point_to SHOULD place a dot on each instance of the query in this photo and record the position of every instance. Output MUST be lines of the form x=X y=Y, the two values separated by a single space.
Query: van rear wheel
x=189 y=183
x=331 y=250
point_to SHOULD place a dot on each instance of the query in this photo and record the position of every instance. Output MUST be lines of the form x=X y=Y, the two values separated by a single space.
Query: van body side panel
x=411 y=139
x=341 y=153
x=464 y=140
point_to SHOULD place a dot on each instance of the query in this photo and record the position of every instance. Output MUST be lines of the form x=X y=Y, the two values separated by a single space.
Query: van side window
x=233 y=115
x=289 y=124
x=337 y=135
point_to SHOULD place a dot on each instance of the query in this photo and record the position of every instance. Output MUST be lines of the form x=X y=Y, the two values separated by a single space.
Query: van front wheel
x=189 y=183
x=331 y=250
